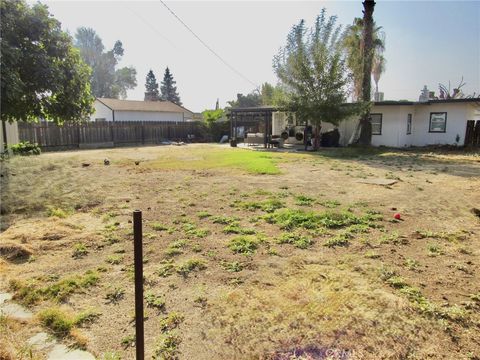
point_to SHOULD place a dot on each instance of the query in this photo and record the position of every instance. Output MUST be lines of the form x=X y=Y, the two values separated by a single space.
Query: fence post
x=138 y=260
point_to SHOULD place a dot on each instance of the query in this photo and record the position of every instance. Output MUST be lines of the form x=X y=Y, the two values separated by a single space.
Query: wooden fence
x=51 y=137
x=472 y=135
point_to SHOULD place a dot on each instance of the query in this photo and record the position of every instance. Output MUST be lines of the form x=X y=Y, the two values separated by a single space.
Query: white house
x=135 y=110
x=408 y=123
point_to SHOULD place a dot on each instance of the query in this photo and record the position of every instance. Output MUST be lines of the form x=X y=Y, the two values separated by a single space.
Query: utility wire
x=209 y=48
x=152 y=27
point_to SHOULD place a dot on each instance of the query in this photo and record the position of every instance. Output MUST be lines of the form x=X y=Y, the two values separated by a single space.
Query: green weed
x=203 y=214
x=79 y=251
x=269 y=205
x=159 y=227
x=191 y=265
x=155 y=301
x=171 y=321
x=303 y=200
x=233 y=266
x=115 y=295
x=246 y=244
x=296 y=239
x=29 y=293
x=236 y=229
x=114 y=259
x=167 y=347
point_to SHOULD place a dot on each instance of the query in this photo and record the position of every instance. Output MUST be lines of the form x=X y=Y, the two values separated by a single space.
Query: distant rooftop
x=138 y=105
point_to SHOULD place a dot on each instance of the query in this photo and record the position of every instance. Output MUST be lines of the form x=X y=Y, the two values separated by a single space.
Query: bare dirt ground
x=305 y=262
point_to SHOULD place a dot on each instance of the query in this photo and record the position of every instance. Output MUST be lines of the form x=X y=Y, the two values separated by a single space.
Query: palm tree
x=367 y=56
x=378 y=68
x=353 y=45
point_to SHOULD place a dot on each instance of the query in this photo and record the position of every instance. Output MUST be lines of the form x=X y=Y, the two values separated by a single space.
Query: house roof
x=433 y=101
x=138 y=105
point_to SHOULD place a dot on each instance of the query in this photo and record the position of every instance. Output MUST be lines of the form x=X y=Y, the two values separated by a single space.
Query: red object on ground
x=397 y=216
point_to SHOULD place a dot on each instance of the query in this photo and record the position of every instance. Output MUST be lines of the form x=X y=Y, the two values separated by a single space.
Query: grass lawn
x=247 y=254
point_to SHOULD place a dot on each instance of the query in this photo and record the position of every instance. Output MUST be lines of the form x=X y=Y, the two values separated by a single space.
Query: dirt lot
x=248 y=254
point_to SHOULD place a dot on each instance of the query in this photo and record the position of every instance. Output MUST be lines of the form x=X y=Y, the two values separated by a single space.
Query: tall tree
x=365 y=124
x=106 y=80
x=168 y=88
x=250 y=100
x=378 y=68
x=43 y=75
x=267 y=93
x=353 y=44
x=151 y=87
x=312 y=71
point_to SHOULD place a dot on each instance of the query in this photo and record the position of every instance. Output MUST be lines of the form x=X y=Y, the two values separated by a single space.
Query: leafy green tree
x=312 y=71
x=267 y=93
x=151 y=87
x=42 y=74
x=250 y=100
x=106 y=80
x=168 y=88
x=211 y=116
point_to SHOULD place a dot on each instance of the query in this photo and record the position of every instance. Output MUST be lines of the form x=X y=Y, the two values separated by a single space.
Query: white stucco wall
x=394 y=125
x=104 y=112
x=457 y=116
x=101 y=112
x=147 y=116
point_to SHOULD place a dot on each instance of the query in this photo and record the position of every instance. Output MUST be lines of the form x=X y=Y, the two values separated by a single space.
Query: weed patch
x=295 y=239
x=191 y=265
x=30 y=293
x=303 y=200
x=155 y=301
x=233 y=266
x=237 y=229
x=269 y=205
x=244 y=244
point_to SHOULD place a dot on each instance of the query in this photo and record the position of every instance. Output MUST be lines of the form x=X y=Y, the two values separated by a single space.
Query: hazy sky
x=428 y=42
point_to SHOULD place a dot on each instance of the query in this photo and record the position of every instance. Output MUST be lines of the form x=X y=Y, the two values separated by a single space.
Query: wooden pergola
x=253 y=120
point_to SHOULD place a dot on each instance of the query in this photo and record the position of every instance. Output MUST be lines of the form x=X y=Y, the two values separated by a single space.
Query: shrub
x=25 y=148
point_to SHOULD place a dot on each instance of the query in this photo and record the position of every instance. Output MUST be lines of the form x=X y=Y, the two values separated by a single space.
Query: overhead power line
x=208 y=47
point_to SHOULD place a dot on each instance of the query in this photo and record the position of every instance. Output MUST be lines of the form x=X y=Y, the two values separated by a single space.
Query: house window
x=409 y=124
x=376 y=121
x=438 y=122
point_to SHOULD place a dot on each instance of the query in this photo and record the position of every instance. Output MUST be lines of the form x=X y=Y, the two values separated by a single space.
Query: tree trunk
x=366 y=126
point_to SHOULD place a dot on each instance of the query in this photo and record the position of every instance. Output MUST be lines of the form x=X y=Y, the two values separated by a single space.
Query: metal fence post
x=138 y=260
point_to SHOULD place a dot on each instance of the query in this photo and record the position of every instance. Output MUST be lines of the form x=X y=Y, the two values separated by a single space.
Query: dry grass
x=12 y=251
x=250 y=254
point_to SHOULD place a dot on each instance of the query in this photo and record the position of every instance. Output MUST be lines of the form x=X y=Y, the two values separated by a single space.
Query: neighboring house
x=408 y=123
x=405 y=123
x=394 y=123
x=135 y=110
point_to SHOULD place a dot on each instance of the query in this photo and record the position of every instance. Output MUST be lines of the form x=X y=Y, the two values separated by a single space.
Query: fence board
x=50 y=136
